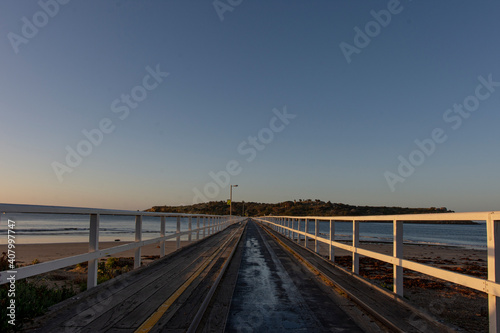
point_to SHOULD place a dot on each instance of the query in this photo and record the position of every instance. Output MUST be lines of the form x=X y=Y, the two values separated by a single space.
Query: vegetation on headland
x=300 y=207
x=294 y=208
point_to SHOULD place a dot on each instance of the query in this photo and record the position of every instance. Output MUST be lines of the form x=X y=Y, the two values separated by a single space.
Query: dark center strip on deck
x=215 y=316
x=274 y=293
x=397 y=313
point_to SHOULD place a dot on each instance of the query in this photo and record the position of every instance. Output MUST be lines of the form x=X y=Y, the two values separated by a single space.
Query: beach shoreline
x=26 y=254
x=43 y=252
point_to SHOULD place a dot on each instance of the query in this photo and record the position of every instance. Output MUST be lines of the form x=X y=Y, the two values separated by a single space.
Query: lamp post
x=231 y=200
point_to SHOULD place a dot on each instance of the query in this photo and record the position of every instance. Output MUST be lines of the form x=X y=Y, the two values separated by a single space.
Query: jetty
x=240 y=274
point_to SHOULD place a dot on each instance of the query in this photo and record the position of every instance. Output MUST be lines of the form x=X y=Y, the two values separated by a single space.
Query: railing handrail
x=465 y=216
x=215 y=224
x=40 y=209
x=491 y=286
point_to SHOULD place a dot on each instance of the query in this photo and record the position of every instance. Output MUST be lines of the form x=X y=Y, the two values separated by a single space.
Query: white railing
x=290 y=227
x=206 y=225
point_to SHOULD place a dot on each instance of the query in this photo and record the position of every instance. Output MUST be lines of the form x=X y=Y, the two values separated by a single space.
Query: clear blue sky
x=353 y=120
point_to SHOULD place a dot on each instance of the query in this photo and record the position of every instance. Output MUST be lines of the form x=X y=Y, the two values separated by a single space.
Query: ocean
x=461 y=235
x=66 y=228
x=62 y=228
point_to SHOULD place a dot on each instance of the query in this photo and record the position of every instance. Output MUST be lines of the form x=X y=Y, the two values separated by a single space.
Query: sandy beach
x=27 y=253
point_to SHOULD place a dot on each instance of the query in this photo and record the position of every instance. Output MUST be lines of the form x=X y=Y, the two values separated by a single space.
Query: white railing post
x=493 y=242
x=294 y=234
x=332 y=238
x=93 y=246
x=288 y=226
x=305 y=230
x=298 y=230
x=355 y=244
x=197 y=228
x=316 y=233
x=189 y=228
x=398 y=253
x=162 y=234
x=138 y=238
x=178 y=231
x=204 y=225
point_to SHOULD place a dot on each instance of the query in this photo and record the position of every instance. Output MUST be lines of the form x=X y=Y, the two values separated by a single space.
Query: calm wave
x=60 y=228
x=469 y=236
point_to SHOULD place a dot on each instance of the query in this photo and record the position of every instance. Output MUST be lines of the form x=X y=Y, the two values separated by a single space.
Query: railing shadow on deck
x=289 y=226
x=206 y=225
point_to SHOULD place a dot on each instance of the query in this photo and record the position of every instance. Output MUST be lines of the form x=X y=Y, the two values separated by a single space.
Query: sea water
x=65 y=228
x=462 y=235
x=68 y=228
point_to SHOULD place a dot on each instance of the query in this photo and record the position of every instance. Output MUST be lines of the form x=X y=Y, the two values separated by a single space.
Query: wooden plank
x=140 y=315
x=138 y=238
x=141 y=303
x=104 y=297
x=180 y=315
x=215 y=317
x=398 y=253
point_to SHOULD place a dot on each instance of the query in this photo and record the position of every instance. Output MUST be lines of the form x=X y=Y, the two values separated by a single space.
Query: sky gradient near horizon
x=265 y=95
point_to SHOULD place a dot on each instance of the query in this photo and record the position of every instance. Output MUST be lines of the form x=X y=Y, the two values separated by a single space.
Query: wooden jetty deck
x=244 y=278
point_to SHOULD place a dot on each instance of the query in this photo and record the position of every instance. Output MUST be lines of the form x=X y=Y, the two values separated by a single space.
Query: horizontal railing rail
x=289 y=226
x=206 y=225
